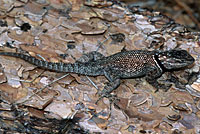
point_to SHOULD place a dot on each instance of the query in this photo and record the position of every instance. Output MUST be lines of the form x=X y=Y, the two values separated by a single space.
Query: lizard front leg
x=153 y=74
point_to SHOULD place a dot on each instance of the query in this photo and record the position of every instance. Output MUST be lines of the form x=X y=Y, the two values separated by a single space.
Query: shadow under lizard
x=125 y=64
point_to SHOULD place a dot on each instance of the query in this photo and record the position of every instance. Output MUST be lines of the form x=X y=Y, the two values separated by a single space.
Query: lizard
x=122 y=65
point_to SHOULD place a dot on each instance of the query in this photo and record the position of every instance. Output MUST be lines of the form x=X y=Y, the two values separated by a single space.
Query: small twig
x=50 y=83
x=40 y=90
x=189 y=12
x=92 y=82
x=41 y=57
x=26 y=81
x=101 y=43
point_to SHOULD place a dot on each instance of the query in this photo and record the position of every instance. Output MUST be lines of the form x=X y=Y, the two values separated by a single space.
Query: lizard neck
x=159 y=63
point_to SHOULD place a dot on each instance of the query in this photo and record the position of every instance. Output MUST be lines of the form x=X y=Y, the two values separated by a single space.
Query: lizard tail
x=58 y=67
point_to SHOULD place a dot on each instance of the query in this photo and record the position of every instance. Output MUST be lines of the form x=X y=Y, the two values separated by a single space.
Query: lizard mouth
x=177 y=63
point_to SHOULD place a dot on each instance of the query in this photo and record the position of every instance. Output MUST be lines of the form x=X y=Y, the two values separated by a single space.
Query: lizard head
x=175 y=59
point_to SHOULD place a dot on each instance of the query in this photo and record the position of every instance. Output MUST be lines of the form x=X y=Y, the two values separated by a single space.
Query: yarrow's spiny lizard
x=125 y=64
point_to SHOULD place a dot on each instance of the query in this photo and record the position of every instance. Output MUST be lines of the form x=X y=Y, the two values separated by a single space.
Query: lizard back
x=131 y=63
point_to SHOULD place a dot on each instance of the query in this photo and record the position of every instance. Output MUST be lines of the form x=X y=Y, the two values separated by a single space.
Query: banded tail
x=77 y=67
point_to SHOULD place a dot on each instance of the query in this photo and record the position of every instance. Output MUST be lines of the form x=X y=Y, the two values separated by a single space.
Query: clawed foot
x=164 y=87
x=160 y=85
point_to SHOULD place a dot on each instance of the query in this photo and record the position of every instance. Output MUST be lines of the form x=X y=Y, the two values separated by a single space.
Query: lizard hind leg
x=114 y=82
x=91 y=56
